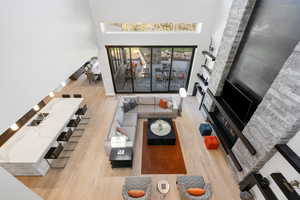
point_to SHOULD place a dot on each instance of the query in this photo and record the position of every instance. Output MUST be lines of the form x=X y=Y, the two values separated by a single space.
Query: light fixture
x=14 y=127
x=51 y=94
x=63 y=84
x=36 y=107
x=182 y=92
x=102 y=27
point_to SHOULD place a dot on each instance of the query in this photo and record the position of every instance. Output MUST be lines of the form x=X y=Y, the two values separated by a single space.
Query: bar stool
x=73 y=123
x=53 y=154
x=66 y=96
x=65 y=136
x=82 y=112
x=77 y=95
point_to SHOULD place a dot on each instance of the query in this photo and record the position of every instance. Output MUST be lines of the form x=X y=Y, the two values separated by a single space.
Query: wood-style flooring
x=88 y=174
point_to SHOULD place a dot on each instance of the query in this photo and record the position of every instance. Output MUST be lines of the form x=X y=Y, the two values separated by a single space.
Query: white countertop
x=31 y=143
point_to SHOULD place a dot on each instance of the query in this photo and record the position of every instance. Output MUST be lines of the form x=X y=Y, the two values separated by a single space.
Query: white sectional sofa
x=147 y=107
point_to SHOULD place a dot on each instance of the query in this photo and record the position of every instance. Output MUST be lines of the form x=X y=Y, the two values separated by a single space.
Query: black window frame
x=108 y=47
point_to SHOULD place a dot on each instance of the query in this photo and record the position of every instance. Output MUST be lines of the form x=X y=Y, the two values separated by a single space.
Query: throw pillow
x=129 y=104
x=122 y=131
x=196 y=191
x=132 y=103
x=136 y=193
x=163 y=103
x=126 y=106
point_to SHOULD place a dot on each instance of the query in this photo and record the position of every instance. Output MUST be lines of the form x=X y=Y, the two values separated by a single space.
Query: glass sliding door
x=121 y=71
x=161 y=65
x=147 y=69
x=181 y=65
x=141 y=69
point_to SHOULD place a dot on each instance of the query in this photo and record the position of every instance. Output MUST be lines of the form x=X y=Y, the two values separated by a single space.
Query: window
x=153 y=27
x=150 y=69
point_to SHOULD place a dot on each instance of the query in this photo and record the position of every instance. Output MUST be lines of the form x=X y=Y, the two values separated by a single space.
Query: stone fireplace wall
x=277 y=118
x=239 y=16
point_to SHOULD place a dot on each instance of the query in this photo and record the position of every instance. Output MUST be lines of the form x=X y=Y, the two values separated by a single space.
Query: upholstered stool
x=211 y=142
x=205 y=129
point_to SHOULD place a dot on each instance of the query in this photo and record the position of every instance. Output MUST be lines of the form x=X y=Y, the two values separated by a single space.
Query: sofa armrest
x=107 y=147
x=175 y=104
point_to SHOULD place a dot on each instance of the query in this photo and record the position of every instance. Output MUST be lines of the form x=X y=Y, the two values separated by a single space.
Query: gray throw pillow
x=132 y=103
x=129 y=105
x=126 y=106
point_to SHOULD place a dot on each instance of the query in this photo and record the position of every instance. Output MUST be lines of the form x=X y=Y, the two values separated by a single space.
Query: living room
x=150 y=100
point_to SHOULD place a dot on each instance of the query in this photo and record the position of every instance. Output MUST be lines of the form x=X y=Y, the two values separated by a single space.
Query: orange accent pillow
x=196 y=191
x=136 y=193
x=163 y=103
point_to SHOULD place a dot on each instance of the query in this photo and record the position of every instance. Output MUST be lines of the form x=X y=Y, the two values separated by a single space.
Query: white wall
x=278 y=164
x=140 y=39
x=222 y=16
x=12 y=189
x=155 y=11
x=42 y=44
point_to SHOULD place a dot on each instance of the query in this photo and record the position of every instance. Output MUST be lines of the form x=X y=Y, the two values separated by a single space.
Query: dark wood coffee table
x=154 y=139
x=121 y=157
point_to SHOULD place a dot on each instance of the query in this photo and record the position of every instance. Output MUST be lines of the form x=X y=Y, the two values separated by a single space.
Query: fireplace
x=228 y=132
x=228 y=124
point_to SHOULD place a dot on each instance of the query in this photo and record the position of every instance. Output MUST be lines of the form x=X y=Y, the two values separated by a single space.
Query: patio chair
x=186 y=182
x=137 y=183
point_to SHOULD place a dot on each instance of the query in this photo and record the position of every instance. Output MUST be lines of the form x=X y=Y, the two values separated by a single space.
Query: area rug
x=162 y=159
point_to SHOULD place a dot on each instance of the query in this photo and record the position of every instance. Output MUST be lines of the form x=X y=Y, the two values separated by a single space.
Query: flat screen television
x=239 y=103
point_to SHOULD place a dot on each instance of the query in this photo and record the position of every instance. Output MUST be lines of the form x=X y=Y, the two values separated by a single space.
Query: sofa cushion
x=158 y=109
x=131 y=132
x=146 y=100
x=136 y=193
x=130 y=119
x=113 y=129
x=119 y=116
x=134 y=110
x=146 y=109
x=195 y=191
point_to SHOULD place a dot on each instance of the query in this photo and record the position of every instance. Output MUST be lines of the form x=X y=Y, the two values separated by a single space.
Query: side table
x=163 y=187
x=121 y=157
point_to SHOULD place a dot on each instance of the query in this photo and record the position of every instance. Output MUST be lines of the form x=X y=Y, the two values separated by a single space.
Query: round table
x=160 y=127
x=163 y=188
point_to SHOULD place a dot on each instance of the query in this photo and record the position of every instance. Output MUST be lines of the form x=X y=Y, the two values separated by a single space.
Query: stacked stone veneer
x=276 y=120
x=237 y=22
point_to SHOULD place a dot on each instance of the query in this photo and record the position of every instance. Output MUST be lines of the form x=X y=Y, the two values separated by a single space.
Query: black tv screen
x=271 y=36
x=239 y=103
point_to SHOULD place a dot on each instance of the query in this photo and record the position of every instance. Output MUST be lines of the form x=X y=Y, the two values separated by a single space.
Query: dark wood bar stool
x=73 y=123
x=82 y=112
x=66 y=96
x=77 y=95
x=53 y=154
x=65 y=136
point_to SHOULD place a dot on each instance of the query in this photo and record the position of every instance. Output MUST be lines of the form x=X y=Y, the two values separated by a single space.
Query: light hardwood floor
x=88 y=175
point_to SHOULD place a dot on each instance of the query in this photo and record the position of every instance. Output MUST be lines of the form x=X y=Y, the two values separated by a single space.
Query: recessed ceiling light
x=36 y=107
x=51 y=94
x=14 y=127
